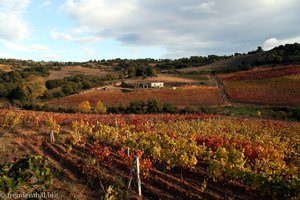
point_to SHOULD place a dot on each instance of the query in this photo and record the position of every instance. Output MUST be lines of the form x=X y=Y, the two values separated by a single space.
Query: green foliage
x=153 y=106
x=28 y=174
x=137 y=107
x=33 y=87
x=169 y=108
x=282 y=54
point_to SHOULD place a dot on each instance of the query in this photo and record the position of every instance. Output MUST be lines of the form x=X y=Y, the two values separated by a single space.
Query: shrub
x=84 y=107
x=100 y=108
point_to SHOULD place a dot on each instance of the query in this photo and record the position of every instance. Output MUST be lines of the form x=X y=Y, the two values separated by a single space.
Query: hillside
x=63 y=79
x=267 y=86
x=229 y=64
x=67 y=71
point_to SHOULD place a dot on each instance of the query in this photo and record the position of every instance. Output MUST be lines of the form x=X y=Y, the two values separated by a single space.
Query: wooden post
x=138 y=175
x=52 y=139
x=135 y=163
x=158 y=138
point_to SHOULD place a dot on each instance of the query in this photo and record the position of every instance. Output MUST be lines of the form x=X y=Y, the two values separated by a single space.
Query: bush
x=153 y=106
x=84 y=107
x=100 y=108
x=169 y=108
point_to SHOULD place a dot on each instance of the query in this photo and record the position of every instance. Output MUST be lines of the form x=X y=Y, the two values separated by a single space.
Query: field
x=269 y=86
x=75 y=70
x=181 y=156
x=183 y=96
x=162 y=78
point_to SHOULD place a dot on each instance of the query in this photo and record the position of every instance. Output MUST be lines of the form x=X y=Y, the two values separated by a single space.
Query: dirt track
x=220 y=85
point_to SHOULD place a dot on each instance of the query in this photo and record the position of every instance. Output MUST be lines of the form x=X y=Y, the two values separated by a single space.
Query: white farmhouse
x=154 y=85
x=157 y=85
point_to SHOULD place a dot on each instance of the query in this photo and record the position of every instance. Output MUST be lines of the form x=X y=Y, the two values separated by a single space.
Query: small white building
x=154 y=85
x=157 y=85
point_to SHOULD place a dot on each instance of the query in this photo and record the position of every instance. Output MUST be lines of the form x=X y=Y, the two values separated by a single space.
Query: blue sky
x=80 y=30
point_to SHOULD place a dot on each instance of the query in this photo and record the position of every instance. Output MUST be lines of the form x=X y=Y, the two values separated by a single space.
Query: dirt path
x=215 y=79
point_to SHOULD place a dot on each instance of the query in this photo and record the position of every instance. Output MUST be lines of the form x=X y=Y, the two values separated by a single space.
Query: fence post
x=52 y=139
x=138 y=175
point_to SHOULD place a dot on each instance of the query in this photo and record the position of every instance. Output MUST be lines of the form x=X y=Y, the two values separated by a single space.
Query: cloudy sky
x=80 y=30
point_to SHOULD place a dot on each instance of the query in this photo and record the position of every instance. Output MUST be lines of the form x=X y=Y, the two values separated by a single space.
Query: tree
x=151 y=71
x=100 y=108
x=169 y=108
x=153 y=106
x=4 y=90
x=33 y=87
x=84 y=107
x=136 y=107
x=259 y=49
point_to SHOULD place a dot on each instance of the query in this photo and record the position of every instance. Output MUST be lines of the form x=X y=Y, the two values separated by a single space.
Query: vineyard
x=194 y=96
x=181 y=156
x=269 y=86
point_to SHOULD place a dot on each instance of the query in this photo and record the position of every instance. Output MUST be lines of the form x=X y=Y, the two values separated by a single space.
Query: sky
x=81 y=30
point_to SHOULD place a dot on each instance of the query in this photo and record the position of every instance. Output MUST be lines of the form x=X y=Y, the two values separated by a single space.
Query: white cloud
x=60 y=35
x=273 y=42
x=77 y=34
x=207 y=7
x=87 y=51
x=100 y=12
x=13 y=26
x=183 y=28
x=25 y=48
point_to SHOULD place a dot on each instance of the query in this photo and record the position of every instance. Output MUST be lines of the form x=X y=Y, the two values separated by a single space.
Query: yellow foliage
x=100 y=108
x=84 y=107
